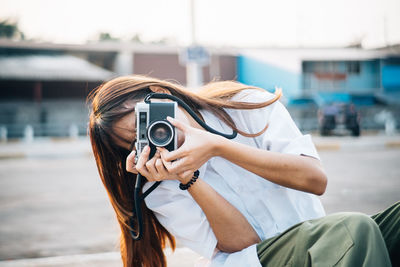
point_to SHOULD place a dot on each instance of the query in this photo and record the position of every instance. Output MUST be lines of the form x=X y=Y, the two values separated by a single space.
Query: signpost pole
x=194 y=75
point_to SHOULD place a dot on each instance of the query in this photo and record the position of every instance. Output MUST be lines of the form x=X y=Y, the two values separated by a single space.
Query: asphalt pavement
x=54 y=210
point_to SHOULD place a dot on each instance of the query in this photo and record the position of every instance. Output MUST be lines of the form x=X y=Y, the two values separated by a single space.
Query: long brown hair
x=107 y=108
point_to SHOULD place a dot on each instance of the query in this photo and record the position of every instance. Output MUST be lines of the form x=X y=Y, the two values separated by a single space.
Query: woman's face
x=125 y=129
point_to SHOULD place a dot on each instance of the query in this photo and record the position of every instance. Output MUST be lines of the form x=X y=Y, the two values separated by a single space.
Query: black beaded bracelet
x=194 y=178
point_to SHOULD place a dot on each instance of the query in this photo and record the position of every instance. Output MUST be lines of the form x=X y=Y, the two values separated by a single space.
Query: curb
x=22 y=155
x=393 y=144
x=63 y=260
x=181 y=257
x=12 y=155
x=327 y=147
x=55 y=148
x=336 y=146
x=46 y=148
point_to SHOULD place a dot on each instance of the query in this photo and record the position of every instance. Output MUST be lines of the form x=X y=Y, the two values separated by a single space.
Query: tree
x=105 y=36
x=137 y=39
x=10 y=30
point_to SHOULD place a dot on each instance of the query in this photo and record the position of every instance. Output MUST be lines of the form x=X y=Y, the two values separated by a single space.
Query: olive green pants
x=341 y=239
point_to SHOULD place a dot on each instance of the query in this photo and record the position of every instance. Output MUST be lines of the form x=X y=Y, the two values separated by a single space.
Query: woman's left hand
x=199 y=146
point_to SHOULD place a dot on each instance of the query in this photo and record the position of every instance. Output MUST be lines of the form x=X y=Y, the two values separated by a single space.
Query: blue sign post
x=195 y=54
x=194 y=58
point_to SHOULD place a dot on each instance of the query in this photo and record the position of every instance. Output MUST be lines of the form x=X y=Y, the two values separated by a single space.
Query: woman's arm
x=231 y=229
x=293 y=171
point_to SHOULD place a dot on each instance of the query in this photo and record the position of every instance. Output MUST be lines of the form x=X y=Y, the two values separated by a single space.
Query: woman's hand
x=199 y=146
x=153 y=169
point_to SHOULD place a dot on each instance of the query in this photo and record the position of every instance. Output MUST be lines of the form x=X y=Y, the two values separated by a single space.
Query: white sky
x=218 y=22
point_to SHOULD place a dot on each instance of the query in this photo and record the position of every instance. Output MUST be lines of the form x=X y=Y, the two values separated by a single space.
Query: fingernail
x=170 y=118
x=146 y=149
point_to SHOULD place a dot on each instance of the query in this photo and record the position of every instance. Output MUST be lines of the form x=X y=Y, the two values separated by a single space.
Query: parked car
x=338 y=118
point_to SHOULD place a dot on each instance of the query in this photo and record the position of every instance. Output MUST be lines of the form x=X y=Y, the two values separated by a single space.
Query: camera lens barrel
x=160 y=133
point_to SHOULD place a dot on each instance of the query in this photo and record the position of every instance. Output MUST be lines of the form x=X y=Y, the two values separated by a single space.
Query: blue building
x=36 y=79
x=367 y=78
x=343 y=71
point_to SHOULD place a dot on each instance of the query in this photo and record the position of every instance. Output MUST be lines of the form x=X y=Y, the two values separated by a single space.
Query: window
x=353 y=67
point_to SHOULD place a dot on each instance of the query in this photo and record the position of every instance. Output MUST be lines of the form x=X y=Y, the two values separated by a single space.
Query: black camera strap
x=138 y=198
x=137 y=210
x=190 y=111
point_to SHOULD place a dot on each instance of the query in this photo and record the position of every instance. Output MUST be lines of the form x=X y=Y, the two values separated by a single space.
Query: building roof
x=109 y=46
x=291 y=59
x=50 y=68
x=391 y=97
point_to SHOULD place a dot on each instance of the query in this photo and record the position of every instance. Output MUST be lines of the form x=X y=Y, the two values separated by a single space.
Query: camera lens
x=160 y=133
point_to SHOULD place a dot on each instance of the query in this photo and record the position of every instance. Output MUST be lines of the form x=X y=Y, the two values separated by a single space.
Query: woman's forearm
x=230 y=227
x=293 y=171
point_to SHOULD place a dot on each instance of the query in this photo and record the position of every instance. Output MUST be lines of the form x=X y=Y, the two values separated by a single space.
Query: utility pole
x=192 y=22
x=385 y=31
x=194 y=71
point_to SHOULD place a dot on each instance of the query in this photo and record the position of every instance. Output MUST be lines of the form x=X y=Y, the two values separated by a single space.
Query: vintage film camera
x=154 y=130
x=152 y=127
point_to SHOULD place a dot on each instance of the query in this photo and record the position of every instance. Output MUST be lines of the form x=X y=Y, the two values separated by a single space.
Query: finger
x=132 y=169
x=144 y=156
x=150 y=165
x=153 y=175
x=180 y=125
x=144 y=172
x=161 y=168
x=172 y=155
x=175 y=167
x=167 y=164
x=130 y=162
x=140 y=165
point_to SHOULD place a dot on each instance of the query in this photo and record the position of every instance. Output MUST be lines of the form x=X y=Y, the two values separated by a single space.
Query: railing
x=31 y=131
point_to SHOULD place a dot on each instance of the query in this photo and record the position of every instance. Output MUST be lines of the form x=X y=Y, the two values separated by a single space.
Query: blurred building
x=311 y=78
x=44 y=86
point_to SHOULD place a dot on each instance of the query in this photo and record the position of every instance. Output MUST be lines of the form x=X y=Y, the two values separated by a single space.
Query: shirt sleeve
x=178 y=212
x=282 y=134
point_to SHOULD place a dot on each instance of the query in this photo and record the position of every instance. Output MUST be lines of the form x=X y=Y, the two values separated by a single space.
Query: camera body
x=152 y=127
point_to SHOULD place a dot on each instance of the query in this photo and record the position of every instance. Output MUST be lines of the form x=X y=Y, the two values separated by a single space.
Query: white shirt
x=268 y=207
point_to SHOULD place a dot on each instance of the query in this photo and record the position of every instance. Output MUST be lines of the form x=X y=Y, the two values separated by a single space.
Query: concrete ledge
x=64 y=148
x=182 y=257
x=332 y=146
x=69 y=260
x=46 y=148
x=10 y=155
x=393 y=144
x=367 y=143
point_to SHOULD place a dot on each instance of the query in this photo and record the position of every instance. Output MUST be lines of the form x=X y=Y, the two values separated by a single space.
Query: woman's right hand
x=153 y=169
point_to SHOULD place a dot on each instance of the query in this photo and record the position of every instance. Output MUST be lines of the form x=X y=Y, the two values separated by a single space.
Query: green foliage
x=136 y=38
x=105 y=36
x=10 y=30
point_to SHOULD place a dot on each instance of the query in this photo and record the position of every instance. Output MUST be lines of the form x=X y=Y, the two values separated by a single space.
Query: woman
x=254 y=202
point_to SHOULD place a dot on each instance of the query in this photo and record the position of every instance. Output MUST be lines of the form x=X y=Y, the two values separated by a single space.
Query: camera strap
x=138 y=198
x=190 y=111
x=137 y=210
